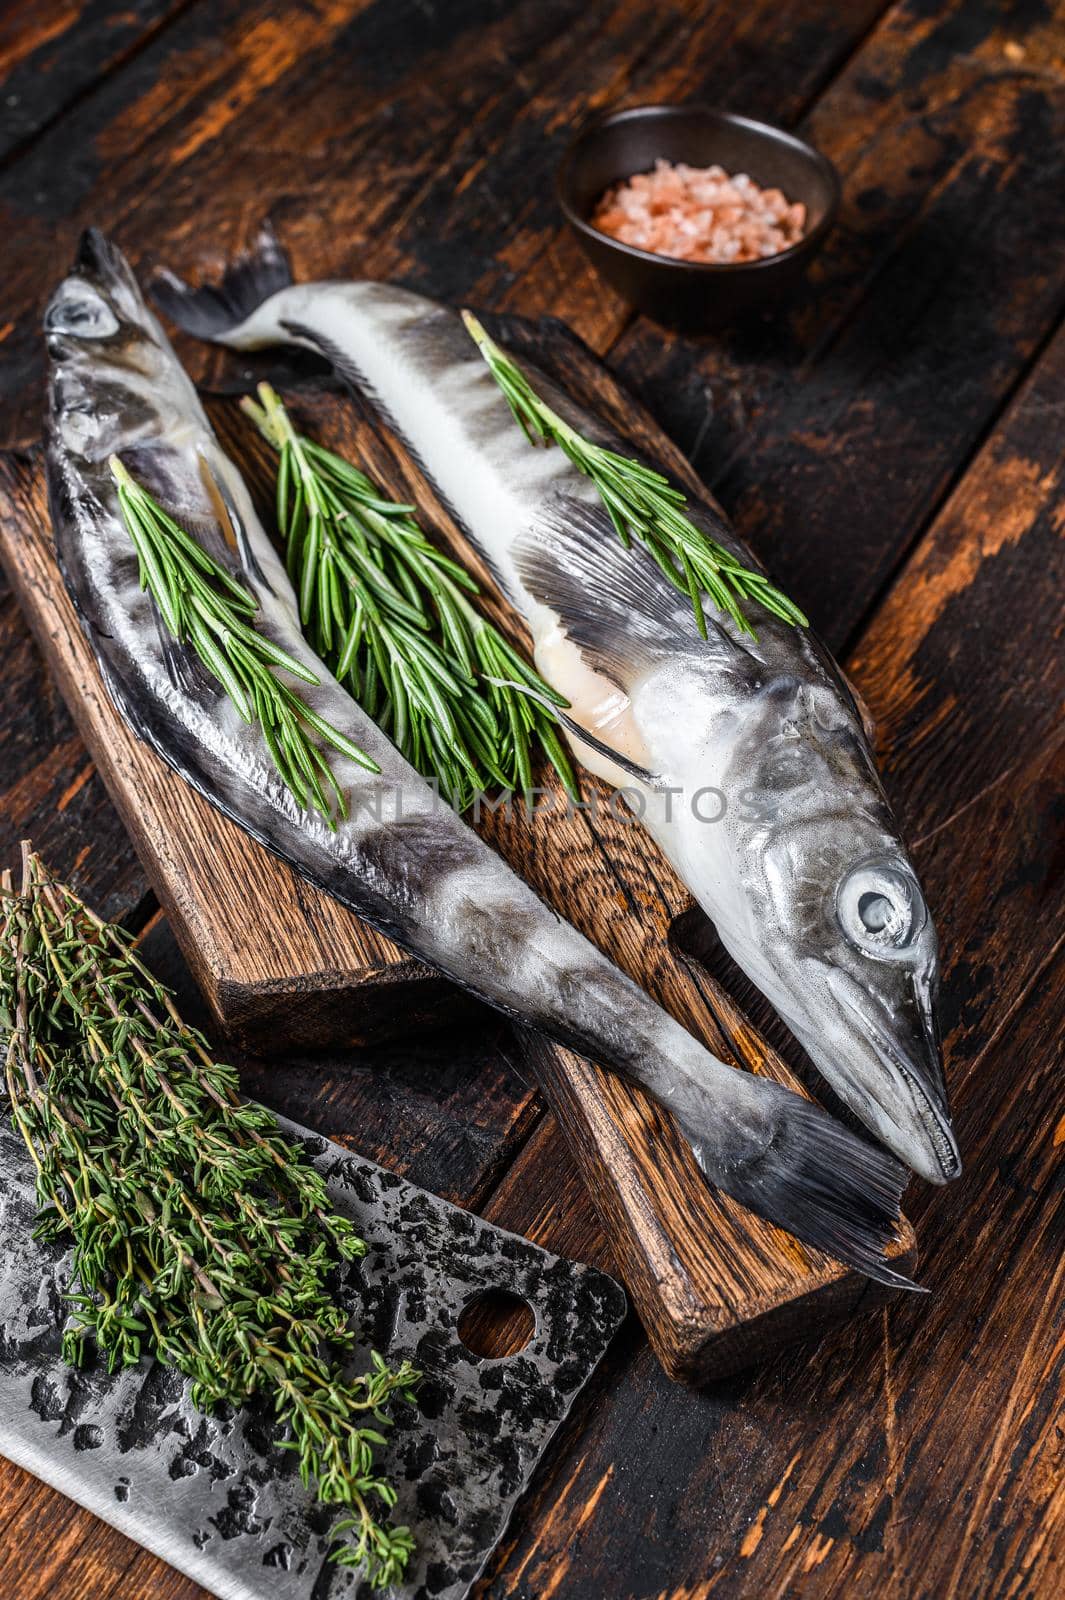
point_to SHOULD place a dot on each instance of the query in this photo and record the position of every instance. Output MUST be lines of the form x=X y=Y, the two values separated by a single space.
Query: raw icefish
x=804 y=876
x=400 y=857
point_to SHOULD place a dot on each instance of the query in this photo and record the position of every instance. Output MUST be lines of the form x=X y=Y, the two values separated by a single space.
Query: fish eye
x=881 y=909
x=78 y=310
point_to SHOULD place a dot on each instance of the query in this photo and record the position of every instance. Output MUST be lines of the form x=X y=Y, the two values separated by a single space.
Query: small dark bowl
x=695 y=294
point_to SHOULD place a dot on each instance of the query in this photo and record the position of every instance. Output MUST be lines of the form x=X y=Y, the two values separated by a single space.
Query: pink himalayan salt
x=700 y=214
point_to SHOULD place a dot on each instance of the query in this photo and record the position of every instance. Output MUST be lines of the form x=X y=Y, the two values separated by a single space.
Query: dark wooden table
x=893 y=446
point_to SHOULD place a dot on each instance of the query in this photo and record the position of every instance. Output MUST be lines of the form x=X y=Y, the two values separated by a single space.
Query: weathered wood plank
x=890 y=1425
x=715 y=1286
x=921 y=1455
x=52 y=53
x=663 y=1513
x=969 y=118
x=427 y=142
x=174 y=136
x=47 y=1530
x=961 y=668
x=48 y=786
x=492 y=231
x=321 y=976
x=830 y=433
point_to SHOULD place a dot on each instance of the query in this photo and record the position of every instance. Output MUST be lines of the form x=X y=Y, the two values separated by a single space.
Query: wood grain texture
x=921 y=1455
x=917 y=1455
x=832 y=431
x=51 y=54
x=48 y=784
x=310 y=973
x=386 y=138
x=715 y=1286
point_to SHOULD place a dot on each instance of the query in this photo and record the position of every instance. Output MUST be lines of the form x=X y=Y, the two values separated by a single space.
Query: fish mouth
x=931 y=1118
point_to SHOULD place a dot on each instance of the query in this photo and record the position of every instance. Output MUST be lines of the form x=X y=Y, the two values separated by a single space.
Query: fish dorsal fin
x=612 y=602
x=339 y=358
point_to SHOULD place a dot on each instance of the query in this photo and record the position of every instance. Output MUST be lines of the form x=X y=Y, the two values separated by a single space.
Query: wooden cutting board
x=283 y=965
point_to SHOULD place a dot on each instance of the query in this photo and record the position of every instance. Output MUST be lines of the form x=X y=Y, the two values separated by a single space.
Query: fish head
x=817 y=900
x=855 y=973
x=115 y=379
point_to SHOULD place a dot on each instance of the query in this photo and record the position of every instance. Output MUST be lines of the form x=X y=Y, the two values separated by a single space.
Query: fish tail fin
x=100 y=262
x=99 y=257
x=216 y=310
x=822 y=1183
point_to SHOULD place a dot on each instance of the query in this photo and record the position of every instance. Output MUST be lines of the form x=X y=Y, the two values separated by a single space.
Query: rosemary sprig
x=641 y=503
x=201 y=1236
x=205 y=607
x=392 y=616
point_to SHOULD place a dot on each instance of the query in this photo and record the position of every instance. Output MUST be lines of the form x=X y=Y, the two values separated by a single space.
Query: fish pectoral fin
x=653 y=780
x=614 y=603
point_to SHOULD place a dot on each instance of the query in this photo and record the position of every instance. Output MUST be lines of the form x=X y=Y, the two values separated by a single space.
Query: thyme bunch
x=641 y=503
x=393 y=618
x=201 y=1236
x=205 y=607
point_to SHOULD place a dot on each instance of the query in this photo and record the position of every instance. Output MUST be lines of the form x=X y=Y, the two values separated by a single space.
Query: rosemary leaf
x=641 y=503
x=392 y=617
x=204 y=606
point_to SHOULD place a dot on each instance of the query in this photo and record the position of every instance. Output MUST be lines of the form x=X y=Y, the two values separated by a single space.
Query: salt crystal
x=700 y=214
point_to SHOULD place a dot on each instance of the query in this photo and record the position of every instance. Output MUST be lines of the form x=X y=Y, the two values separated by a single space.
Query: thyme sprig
x=201 y=1236
x=205 y=607
x=641 y=503
x=392 y=616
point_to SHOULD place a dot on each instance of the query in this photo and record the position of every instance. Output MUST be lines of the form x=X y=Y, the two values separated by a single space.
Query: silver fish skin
x=401 y=858
x=804 y=877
